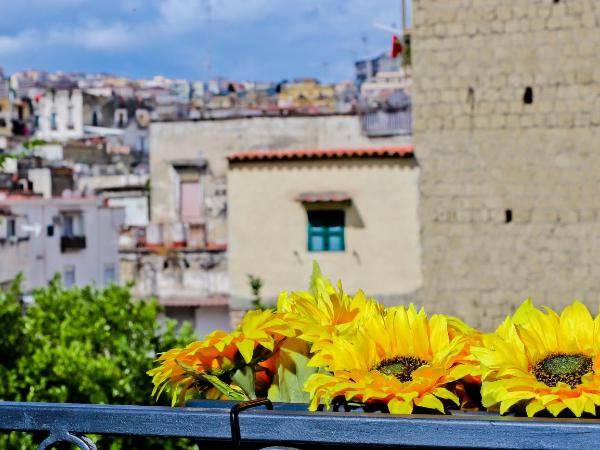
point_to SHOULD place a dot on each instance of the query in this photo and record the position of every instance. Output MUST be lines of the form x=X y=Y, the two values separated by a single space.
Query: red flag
x=396 y=46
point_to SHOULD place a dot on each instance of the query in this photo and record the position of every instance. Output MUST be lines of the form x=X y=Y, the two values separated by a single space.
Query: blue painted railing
x=210 y=423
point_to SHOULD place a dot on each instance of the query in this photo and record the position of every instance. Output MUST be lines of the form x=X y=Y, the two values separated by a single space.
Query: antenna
x=208 y=56
x=403 y=10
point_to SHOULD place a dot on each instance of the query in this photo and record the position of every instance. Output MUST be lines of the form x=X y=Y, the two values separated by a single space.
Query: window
x=53 y=124
x=69 y=276
x=11 y=231
x=69 y=226
x=72 y=225
x=70 y=118
x=109 y=273
x=326 y=230
x=190 y=207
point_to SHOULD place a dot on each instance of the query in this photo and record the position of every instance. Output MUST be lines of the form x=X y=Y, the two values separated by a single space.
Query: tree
x=82 y=345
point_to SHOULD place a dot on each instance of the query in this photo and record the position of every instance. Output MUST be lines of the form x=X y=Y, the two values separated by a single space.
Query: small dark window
x=50 y=230
x=528 y=96
x=508 y=215
x=12 y=228
x=326 y=230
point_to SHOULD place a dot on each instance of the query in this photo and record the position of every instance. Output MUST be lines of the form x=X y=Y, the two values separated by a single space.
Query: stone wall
x=507 y=133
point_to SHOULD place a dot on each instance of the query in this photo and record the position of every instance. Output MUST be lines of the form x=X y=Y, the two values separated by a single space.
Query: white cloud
x=186 y=14
x=91 y=36
x=94 y=36
x=18 y=43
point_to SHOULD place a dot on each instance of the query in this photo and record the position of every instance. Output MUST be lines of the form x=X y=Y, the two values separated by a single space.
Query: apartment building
x=76 y=238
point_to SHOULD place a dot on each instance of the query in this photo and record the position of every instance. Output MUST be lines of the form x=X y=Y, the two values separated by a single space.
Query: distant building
x=128 y=191
x=123 y=122
x=51 y=181
x=383 y=84
x=22 y=116
x=76 y=238
x=352 y=210
x=369 y=68
x=307 y=96
x=188 y=165
x=60 y=114
x=5 y=108
x=189 y=206
x=384 y=105
x=192 y=284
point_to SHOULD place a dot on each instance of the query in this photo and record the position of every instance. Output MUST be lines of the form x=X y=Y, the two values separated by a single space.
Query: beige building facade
x=188 y=164
x=506 y=104
x=352 y=211
x=190 y=213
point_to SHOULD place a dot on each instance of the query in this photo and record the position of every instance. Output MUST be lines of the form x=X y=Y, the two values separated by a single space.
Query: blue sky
x=195 y=39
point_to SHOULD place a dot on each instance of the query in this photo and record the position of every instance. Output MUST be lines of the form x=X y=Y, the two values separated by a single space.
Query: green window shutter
x=326 y=231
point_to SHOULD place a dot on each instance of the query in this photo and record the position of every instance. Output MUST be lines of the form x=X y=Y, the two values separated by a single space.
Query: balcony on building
x=71 y=243
x=73 y=235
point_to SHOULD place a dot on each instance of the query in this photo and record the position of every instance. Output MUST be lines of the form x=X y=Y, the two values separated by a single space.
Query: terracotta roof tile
x=364 y=152
x=324 y=197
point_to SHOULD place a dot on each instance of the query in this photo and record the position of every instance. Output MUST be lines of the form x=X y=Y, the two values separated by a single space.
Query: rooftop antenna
x=403 y=10
x=393 y=29
x=389 y=29
x=208 y=56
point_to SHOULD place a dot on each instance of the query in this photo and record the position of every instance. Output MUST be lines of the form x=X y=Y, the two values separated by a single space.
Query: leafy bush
x=82 y=345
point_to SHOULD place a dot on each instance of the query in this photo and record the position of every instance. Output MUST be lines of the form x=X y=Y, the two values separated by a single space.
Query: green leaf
x=245 y=378
x=292 y=373
x=224 y=388
x=315 y=277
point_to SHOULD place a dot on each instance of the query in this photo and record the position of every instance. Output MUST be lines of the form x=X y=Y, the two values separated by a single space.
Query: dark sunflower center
x=562 y=368
x=401 y=367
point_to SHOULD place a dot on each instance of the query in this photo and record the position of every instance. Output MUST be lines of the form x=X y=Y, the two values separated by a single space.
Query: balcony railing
x=258 y=428
x=386 y=123
x=69 y=243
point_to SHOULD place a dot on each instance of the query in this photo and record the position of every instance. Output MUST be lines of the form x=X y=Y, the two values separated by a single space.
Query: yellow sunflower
x=543 y=361
x=399 y=358
x=219 y=355
x=325 y=312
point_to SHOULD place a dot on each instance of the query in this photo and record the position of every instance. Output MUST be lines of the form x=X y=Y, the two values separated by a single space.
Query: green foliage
x=256 y=285
x=406 y=51
x=82 y=345
x=4 y=157
x=292 y=373
x=34 y=143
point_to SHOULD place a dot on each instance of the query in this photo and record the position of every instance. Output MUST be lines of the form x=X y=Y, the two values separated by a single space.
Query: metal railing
x=211 y=425
x=386 y=123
